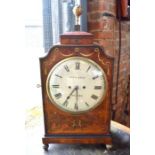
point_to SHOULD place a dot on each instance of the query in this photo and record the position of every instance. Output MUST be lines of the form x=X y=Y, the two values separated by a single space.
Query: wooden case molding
x=92 y=126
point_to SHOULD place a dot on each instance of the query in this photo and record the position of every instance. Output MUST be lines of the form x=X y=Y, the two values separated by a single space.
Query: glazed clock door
x=76 y=85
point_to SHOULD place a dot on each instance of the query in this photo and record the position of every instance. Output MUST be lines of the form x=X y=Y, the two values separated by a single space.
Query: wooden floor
x=121 y=145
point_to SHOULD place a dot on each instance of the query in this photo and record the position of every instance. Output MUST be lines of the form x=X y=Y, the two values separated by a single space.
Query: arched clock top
x=77 y=49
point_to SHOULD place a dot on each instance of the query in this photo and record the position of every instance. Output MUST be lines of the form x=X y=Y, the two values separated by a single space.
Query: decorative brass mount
x=77 y=11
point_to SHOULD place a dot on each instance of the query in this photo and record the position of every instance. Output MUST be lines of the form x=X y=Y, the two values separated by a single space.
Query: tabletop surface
x=34 y=131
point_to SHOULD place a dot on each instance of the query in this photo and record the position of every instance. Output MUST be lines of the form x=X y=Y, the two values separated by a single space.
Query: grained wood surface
x=76 y=38
x=121 y=144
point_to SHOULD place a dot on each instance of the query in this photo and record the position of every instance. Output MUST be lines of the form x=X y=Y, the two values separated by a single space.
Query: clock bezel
x=76 y=112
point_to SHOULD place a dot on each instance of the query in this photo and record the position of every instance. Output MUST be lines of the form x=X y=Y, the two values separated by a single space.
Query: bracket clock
x=76 y=79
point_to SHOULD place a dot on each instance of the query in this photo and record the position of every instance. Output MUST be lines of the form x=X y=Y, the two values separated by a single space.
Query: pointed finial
x=77 y=11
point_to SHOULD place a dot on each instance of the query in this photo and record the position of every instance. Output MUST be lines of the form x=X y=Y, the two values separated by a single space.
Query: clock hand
x=76 y=104
x=65 y=102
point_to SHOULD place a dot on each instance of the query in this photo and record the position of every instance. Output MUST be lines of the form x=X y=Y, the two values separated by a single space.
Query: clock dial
x=76 y=84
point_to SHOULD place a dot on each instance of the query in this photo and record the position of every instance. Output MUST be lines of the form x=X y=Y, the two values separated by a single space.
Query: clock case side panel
x=44 y=72
x=111 y=59
x=43 y=75
x=111 y=84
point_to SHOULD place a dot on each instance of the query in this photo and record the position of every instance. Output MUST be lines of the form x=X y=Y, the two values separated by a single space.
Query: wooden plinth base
x=76 y=140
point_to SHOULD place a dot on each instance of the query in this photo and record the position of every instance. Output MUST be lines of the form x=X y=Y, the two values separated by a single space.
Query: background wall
x=102 y=22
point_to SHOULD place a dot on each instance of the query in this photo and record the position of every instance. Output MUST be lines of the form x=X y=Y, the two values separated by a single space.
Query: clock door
x=76 y=85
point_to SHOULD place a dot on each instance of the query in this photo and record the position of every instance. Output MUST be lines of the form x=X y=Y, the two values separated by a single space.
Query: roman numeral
x=58 y=75
x=55 y=86
x=66 y=68
x=65 y=103
x=77 y=65
x=58 y=95
x=97 y=87
x=76 y=107
x=94 y=97
x=88 y=68
x=86 y=104
x=95 y=77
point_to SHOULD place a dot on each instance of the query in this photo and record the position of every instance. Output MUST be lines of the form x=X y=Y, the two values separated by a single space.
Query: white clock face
x=76 y=84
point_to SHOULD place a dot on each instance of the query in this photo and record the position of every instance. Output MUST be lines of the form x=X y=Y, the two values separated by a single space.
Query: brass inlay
x=77 y=124
x=86 y=55
x=96 y=50
x=76 y=49
x=101 y=60
x=66 y=55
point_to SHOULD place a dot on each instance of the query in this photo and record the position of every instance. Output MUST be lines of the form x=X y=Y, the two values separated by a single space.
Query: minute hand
x=76 y=103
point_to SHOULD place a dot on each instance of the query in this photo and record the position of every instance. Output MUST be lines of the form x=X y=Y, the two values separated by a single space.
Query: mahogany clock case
x=90 y=127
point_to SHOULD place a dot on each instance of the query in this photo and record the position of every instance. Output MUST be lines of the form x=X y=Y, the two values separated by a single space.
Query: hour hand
x=66 y=101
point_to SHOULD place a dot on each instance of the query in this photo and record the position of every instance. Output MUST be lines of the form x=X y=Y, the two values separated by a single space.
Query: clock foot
x=45 y=147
